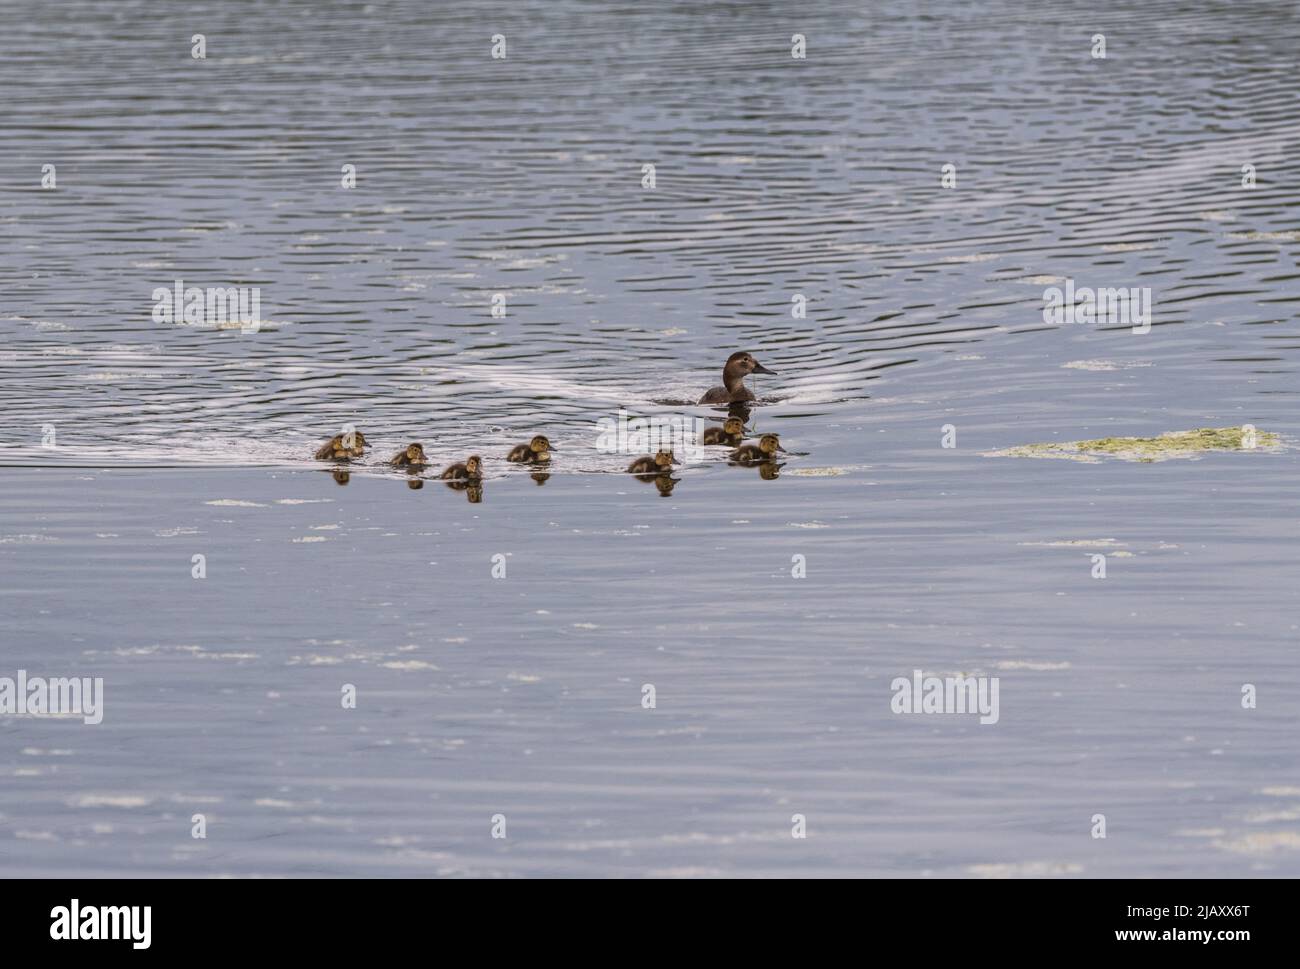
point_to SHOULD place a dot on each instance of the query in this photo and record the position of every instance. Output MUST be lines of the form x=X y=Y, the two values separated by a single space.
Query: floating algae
x=1171 y=444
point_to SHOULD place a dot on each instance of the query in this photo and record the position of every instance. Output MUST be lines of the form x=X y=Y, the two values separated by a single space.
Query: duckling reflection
x=342 y=447
x=730 y=433
x=762 y=452
x=660 y=463
x=738 y=366
x=411 y=456
x=536 y=451
x=770 y=470
x=473 y=489
x=666 y=483
x=415 y=484
x=471 y=469
x=341 y=477
x=540 y=477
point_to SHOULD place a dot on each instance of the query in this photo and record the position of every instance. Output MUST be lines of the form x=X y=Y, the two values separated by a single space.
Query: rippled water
x=774 y=177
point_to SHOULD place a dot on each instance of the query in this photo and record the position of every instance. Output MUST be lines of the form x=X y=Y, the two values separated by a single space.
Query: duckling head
x=665 y=459
x=539 y=444
x=474 y=465
x=770 y=444
x=733 y=427
x=415 y=453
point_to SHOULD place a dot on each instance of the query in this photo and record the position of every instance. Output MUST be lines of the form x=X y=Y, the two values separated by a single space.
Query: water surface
x=521 y=695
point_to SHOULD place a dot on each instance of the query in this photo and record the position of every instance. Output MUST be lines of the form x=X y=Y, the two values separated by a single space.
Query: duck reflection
x=473 y=488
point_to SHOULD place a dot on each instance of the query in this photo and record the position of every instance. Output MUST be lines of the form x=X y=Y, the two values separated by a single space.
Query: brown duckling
x=731 y=433
x=760 y=453
x=660 y=463
x=343 y=447
x=470 y=469
x=534 y=452
x=733 y=379
x=412 y=456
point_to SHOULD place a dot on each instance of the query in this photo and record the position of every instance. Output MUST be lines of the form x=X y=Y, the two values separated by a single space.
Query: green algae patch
x=1170 y=445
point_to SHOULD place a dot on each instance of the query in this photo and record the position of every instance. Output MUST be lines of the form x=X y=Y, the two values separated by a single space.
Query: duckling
x=731 y=433
x=762 y=452
x=343 y=447
x=471 y=469
x=534 y=452
x=733 y=379
x=653 y=464
x=412 y=456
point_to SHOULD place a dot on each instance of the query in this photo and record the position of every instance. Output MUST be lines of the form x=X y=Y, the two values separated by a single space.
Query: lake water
x=522 y=695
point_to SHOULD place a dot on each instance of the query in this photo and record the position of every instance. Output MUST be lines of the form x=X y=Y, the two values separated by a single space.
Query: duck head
x=665 y=459
x=733 y=427
x=474 y=465
x=415 y=453
x=540 y=445
x=741 y=364
x=769 y=444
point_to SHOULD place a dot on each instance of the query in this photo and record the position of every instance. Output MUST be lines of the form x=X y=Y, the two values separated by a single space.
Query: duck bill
x=759 y=368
